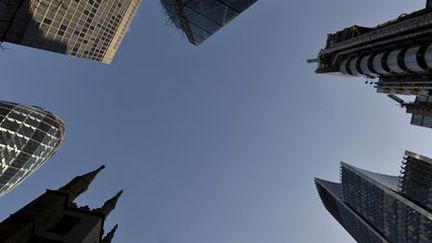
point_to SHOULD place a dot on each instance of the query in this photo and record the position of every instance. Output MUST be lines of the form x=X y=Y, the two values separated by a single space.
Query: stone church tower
x=54 y=218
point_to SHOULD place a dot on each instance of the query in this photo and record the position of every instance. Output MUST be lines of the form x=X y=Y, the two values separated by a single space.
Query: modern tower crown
x=28 y=137
x=379 y=208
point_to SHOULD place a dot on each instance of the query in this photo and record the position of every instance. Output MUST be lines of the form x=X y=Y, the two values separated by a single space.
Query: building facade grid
x=380 y=208
x=90 y=29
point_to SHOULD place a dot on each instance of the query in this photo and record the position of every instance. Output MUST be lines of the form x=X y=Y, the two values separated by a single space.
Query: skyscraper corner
x=374 y=207
x=199 y=19
x=90 y=29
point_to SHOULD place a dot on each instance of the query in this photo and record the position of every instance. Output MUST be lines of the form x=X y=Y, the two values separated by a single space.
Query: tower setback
x=380 y=208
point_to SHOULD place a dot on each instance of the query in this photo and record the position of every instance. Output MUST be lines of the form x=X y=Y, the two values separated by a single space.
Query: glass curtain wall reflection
x=380 y=208
x=199 y=19
x=29 y=135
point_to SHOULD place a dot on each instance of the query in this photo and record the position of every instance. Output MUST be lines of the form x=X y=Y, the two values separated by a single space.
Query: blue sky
x=217 y=143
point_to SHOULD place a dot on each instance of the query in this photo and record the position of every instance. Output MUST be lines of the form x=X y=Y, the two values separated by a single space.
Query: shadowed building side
x=199 y=19
x=88 y=29
x=54 y=218
x=110 y=236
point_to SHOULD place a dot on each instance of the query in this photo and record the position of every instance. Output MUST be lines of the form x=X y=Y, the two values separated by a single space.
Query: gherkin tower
x=29 y=135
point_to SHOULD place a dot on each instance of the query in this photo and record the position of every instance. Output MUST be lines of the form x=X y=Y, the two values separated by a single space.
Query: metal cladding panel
x=393 y=62
x=416 y=179
x=377 y=64
x=421 y=110
x=421 y=120
x=428 y=56
x=28 y=137
x=394 y=216
x=353 y=67
x=411 y=60
x=199 y=19
x=364 y=66
x=343 y=68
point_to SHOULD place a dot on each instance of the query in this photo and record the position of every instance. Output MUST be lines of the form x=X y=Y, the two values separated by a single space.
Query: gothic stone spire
x=79 y=184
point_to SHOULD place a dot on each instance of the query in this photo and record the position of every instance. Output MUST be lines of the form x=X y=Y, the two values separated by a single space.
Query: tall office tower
x=199 y=19
x=91 y=29
x=380 y=208
x=397 y=54
x=53 y=217
x=29 y=136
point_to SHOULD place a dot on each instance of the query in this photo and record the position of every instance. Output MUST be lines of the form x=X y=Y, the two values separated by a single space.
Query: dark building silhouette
x=29 y=136
x=199 y=19
x=53 y=217
x=379 y=208
x=396 y=54
x=91 y=29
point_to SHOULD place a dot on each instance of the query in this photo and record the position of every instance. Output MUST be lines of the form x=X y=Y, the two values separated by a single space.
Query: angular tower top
x=109 y=205
x=200 y=19
x=108 y=238
x=79 y=184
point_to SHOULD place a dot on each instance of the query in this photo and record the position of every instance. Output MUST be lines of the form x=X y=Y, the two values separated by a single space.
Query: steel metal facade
x=90 y=29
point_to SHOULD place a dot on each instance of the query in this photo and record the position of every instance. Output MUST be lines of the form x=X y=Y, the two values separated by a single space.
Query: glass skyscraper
x=91 y=29
x=380 y=208
x=29 y=135
x=199 y=19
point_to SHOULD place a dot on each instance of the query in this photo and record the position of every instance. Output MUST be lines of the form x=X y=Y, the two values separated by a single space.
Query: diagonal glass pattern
x=28 y=137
